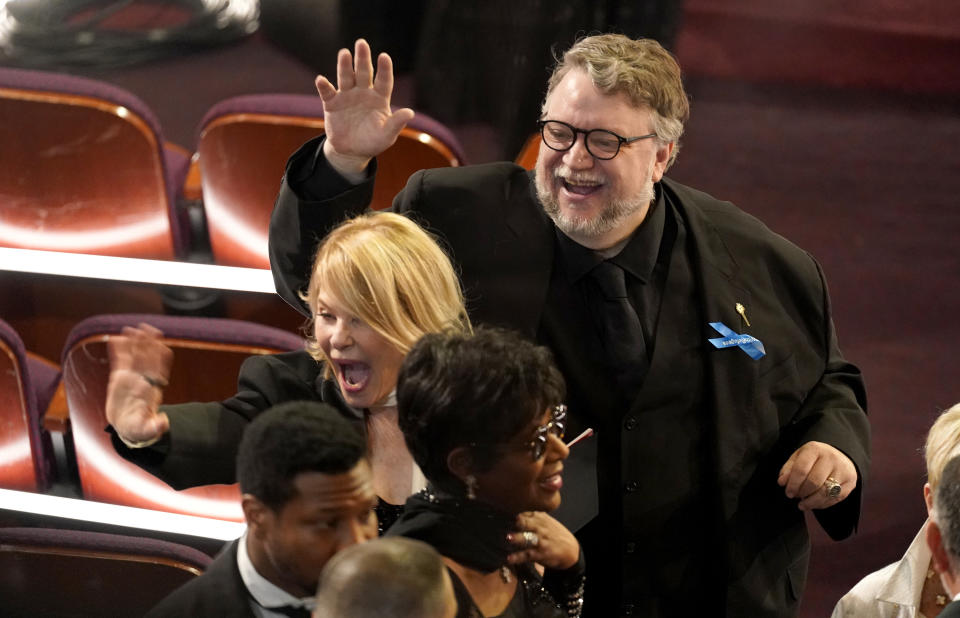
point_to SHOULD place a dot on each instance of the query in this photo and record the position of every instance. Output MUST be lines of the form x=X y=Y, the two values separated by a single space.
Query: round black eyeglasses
x=601 y=144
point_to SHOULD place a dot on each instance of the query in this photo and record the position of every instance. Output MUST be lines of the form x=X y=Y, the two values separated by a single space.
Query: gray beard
x=612 y=215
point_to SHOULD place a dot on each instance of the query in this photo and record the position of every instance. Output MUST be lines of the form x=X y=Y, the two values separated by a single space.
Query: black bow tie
x=293 y=611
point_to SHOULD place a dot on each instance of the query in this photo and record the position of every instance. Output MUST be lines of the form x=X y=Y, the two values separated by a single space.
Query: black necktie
x=623 y=341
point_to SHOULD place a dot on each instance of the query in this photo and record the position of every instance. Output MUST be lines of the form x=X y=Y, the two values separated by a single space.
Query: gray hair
x=640 y=69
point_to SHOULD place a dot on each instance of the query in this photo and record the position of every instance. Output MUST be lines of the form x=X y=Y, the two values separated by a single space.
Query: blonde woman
x=910 y=588
x=378 y=284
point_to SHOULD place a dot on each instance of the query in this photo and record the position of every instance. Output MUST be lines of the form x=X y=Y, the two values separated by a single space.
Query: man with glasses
x=698 y=344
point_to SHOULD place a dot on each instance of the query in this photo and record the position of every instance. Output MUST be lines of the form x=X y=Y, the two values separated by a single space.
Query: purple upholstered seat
x=26 y=454
x=208 y=353
x=208 y=330
x=86 y=169
x=243 y=144
x=54 y=572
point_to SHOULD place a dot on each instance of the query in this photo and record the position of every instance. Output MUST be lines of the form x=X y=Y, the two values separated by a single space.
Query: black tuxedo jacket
x=951 y=611
x=802 y=390
x=218 y=592
x=201 y=446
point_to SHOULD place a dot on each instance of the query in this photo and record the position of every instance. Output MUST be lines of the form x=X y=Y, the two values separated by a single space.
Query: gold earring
x=471 y=487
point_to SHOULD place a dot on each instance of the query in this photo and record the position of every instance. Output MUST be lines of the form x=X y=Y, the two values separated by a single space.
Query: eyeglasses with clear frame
x=601 y=143
x=557 y=425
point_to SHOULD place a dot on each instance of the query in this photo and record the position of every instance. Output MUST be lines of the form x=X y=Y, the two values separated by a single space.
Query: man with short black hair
x=307 y=494
x=393 y=576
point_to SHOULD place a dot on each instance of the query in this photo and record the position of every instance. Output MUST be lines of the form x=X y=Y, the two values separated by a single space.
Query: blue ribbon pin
x=751 y=345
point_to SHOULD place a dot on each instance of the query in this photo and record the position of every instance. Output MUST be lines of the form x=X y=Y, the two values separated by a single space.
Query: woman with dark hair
x=482 y=417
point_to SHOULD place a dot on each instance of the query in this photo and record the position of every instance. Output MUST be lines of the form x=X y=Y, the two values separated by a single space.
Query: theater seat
x=26 y=454
x=529 y=153
x=52 y=572
x=86 y=170
x=207 y=357
x=243 y=145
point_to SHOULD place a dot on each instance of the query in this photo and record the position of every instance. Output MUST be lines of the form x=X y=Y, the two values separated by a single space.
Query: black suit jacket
x=802 y=390
x=219 y=592
x=951 y=611
x=201 y=446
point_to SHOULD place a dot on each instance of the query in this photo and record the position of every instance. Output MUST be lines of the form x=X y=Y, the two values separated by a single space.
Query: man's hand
x=806 y=473
x=358 y=120
x=139 y=369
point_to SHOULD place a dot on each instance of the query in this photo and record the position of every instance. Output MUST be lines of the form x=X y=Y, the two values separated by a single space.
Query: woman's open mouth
x=354 y=375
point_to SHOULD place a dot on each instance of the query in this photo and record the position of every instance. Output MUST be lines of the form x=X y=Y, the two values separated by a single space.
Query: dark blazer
x=201 y=446
x=952 y=610
x=802 y=390
x=218 y=592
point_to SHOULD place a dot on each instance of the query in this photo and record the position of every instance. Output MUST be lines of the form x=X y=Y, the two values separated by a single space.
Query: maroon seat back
x=244 y=143
x=85 y=169
x=26 y=458
x=51 y=572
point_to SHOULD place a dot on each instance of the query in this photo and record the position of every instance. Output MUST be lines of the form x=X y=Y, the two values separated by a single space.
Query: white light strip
x=161 y=272
x=127 y=516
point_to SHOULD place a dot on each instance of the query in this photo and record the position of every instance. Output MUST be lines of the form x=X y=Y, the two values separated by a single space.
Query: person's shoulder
x=288 y=375
x=494 y=176
x=460 y=204
x=719 y=213
x=187 y=600
x=861 y=600
x=494 y=168
x=744 y=234
x=951 y=611
x=296 y=362
x=201 y=596
x=214 y=593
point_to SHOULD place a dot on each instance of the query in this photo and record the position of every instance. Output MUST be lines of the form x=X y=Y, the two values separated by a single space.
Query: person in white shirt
x=943 y=535
x=909 y=588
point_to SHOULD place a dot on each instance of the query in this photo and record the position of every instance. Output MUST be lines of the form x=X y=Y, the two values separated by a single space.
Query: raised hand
x=542 y=539
x=812 y=471
x=139 y=369
x=358 y=121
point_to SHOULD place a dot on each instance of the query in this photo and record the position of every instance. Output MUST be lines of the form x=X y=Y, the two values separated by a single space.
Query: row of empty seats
x=86 y=169
x=57 y=572
x=207 y=357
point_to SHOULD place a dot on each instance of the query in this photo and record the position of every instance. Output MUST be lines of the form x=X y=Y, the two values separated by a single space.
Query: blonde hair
x=943 y=443
x=392 y=275
x=640 y=69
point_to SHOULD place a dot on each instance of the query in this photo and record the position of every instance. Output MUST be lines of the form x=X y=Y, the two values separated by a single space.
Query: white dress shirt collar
x=264 y=594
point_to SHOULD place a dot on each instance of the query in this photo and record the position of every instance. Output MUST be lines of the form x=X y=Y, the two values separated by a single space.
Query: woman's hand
x=544 y=540
x=139 y=369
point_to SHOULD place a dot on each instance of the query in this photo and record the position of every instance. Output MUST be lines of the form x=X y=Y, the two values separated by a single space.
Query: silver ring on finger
x=832 y=487
x=530 y=539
